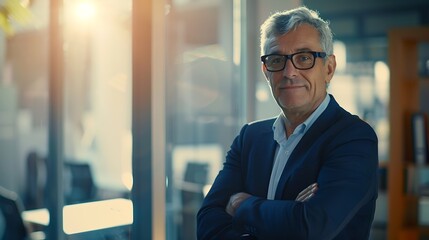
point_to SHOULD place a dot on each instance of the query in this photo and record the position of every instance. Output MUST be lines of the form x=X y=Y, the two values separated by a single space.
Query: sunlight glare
x=236 y=32
x=127 y=180
x=382 y=76
x=85 y=10
x=340 y=52
x=262 y=95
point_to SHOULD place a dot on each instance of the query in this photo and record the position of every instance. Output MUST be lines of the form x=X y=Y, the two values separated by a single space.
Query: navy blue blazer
x=339 y=152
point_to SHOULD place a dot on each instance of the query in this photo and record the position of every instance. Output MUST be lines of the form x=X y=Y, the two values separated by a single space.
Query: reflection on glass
x=204 y=96
x=98 y=92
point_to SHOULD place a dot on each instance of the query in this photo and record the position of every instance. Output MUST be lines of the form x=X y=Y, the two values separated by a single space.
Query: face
x=300 y=91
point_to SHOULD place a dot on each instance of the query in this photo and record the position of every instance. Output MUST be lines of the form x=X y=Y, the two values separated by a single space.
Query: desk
x=90 y=216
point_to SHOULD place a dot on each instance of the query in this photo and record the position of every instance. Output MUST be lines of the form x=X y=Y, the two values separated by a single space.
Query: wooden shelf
x=405 y=90
x=424 y=230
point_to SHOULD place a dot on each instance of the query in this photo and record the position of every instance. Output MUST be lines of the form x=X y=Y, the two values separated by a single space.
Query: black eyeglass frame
x=290 y=57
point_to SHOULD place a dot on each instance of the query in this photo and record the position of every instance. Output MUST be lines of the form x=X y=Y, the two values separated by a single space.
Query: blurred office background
x=206 y=84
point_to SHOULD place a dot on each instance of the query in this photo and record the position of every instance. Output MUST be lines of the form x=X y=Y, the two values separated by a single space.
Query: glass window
x=203 y=104
x=97 y=106
x=24 y=103
x=96 y=111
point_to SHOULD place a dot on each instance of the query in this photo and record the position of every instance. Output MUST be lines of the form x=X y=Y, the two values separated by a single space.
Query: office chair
x=81 y=183
x=35 y=181
x=196 y=174
x=11 y=208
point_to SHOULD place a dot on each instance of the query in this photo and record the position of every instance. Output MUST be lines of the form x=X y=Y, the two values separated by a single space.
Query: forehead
x=304 y=37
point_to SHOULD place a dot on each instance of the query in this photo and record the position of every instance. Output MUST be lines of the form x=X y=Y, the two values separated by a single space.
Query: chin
x=290 y=104
x=290 y=107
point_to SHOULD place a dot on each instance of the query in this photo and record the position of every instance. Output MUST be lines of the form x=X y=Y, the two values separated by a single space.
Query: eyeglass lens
x=299 y=60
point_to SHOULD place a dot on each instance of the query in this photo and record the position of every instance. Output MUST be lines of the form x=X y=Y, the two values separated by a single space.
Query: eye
x=275 y=59
x=303 y=57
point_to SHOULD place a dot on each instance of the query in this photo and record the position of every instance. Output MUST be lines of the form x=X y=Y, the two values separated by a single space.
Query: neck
x=294 y=117
x=292 y=120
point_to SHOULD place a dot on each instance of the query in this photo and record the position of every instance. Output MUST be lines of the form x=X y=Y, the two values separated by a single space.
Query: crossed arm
x=236 y=199
x=346 y=180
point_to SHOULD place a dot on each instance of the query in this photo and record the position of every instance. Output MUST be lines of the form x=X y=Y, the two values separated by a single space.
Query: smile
x=291 y=87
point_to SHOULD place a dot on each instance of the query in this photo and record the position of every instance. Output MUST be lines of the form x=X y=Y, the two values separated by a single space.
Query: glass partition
x=204 y=108
x=96 y=113
x=97 y=106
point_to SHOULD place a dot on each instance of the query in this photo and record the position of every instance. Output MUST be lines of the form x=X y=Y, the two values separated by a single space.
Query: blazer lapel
x=297 y=157
x=263 y=166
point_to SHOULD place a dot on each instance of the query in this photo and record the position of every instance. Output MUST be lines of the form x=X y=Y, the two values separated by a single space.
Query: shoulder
x=360 y=127
x=257 y=130
x=350 y=125
x=263 y=122
x=339 y=120
x=259 y=126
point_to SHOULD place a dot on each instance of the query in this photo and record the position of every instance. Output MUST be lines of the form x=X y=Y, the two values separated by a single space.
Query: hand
x=307 y=193
x=235 y=202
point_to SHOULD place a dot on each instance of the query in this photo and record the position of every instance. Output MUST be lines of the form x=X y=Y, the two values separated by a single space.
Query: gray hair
x=282 y=22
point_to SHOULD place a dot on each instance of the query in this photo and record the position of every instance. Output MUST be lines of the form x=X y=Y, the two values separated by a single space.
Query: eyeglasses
x=300 y=60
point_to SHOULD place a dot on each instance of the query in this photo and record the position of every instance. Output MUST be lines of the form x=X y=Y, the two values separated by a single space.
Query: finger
x=230 y=206
x=302 y=197
x=229 y=209
x=235 y=202
x=308 y=197
x=304 y=194
x=308 y=190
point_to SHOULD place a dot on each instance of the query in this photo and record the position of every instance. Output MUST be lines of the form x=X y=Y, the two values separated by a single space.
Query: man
x=310 y=173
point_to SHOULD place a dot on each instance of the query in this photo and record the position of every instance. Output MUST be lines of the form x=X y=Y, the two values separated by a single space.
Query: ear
x=331 y=65
x=265 y=71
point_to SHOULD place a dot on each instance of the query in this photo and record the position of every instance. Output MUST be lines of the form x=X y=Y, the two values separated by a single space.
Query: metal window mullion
x=54 y=185
x=142 y=119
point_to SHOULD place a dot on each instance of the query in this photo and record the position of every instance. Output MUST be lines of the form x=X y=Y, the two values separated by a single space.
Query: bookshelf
x=406 y=84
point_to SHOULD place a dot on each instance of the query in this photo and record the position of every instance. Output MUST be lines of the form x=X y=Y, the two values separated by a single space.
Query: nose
x=290 y=71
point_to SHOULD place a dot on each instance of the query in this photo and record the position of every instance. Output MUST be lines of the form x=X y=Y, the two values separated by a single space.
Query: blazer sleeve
x=347 y=181
x=212 y=220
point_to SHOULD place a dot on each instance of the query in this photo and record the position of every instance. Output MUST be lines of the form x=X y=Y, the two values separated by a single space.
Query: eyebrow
x=303 y=49
x=297 y=50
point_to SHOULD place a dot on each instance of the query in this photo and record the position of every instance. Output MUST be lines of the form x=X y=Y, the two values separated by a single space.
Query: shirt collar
x=278 y=126
x=319 y=110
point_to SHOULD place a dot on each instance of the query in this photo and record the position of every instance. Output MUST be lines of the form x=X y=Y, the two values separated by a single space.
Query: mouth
x=291 y=87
